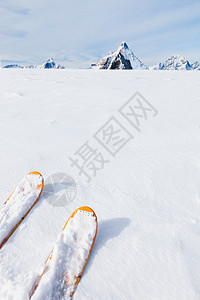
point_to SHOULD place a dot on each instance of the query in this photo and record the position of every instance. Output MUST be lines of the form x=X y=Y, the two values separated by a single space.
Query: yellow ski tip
x=83 y=208
x=40 y=186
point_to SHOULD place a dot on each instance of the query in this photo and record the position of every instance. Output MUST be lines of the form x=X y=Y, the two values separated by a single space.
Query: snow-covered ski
x=68 y=259
x=19 y=204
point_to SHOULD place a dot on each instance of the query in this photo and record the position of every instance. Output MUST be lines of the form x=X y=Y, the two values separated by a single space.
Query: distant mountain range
x=123 y=59
x=176 y=62
x=50 y=64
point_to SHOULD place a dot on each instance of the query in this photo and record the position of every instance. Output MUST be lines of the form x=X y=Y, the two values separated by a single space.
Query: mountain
x=196 y=65
x=31 y=67
x=60 y=66
x=14 y=66
x=120 y=59
x=50 y=64
x=176 y=62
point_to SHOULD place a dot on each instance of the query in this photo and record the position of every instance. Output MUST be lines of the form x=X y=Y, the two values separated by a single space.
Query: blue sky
x=79 y=32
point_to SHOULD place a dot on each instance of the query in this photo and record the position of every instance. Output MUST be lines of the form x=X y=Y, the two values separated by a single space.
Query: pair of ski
x=67 y=261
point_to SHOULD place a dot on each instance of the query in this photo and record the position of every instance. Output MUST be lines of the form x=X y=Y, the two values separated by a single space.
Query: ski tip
x=86 y=208
x=35 y=173
x=85 y=211
x=40 y=186
x=81 y=209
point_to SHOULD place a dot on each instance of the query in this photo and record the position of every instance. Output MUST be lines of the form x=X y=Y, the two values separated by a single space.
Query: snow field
x=147 y=198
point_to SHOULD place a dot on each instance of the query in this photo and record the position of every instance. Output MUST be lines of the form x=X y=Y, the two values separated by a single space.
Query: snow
x=70 y=253
x=19 y=203
x=147 y=198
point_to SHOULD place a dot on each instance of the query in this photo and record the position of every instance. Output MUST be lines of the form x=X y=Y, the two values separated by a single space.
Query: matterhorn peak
x=50 y=60
x=120 y=59
x=124 y=45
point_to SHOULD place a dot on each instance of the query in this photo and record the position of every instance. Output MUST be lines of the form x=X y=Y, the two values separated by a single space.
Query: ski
x=19 y=204
x=67 y=261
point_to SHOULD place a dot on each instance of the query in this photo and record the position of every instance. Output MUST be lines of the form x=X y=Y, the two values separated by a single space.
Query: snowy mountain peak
x=176 y=62
x=196 y=65
x=124 y=45
x=120 y=59
x=50 y=64
x=50 y=60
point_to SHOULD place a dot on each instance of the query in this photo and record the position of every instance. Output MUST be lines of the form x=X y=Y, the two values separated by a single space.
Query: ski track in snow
x=147 y=198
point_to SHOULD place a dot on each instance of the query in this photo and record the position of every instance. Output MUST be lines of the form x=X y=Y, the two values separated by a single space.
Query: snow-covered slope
x=122 y=58
x=146 y=197
x=176 y=62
